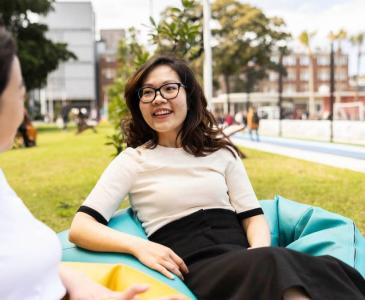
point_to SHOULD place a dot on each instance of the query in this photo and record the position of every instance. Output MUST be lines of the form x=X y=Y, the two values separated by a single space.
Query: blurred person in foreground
x=30 y=252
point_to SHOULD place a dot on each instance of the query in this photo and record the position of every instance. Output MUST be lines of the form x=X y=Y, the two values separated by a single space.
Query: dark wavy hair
x=7 y=54
x=200 y=134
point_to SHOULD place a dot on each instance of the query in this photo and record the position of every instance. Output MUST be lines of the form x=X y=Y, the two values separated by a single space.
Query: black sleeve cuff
x=250 y=213
x=93 y=213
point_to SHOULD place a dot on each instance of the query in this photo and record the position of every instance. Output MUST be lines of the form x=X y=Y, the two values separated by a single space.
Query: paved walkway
x=336 y=155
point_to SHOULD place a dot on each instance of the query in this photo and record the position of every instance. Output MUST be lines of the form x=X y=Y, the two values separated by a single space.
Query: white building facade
x=74 y=81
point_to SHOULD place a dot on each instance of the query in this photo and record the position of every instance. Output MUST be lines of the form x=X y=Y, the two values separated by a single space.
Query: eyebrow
x=166 y=81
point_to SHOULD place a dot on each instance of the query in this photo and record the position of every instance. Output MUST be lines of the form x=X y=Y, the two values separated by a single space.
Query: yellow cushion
x=118 y=277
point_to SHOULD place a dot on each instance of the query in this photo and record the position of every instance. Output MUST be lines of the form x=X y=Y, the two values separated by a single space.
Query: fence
x=343 y=131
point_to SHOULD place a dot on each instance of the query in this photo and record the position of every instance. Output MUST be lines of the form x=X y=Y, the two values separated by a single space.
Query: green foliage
x=246 y=40
x=179 y=31
x=38 y=55
x=131 y=55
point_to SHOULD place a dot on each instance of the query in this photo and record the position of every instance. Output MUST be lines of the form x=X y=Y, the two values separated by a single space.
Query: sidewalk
x=335 y=155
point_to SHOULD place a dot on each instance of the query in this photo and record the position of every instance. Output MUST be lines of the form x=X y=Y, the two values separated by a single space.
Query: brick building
x=107 y=65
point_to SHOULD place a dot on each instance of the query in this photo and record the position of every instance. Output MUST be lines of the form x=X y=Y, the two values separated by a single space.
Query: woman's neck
x=169 y=141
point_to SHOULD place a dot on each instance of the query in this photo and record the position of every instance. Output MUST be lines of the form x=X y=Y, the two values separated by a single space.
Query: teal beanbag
x=299 y=227
x=314 y=231
x=125 y=221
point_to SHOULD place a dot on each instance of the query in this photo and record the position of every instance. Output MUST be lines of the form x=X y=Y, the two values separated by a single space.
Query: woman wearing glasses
x=188 y=187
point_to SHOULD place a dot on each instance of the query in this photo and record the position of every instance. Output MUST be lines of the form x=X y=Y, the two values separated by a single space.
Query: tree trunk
x=228 y=91
x=280 y=91
x=359 y=54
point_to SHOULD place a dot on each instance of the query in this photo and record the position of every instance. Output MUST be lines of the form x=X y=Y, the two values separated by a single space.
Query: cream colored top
x=30 y=252
x=166 y=184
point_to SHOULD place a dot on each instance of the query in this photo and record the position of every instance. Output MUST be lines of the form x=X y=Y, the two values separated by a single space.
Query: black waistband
x=214 y=216
x=200 y=231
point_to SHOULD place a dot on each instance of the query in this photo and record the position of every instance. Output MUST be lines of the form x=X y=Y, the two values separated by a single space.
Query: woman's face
x=166 y=117
x=11 y=106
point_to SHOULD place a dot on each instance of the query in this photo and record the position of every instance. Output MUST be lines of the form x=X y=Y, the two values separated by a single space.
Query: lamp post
x=280 y=88
x=207 y=54
x=332 y=89
x=283 y=51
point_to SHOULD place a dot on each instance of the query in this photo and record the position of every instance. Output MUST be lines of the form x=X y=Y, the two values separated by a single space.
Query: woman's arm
x=257 y=231
x=86 y=232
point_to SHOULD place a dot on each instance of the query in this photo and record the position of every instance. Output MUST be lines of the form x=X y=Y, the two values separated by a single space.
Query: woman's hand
x=97 y=292
x=93 y=291
x=80 y=287
x=159 y=258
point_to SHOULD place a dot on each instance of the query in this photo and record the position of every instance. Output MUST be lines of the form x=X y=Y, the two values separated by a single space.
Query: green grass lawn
x=55 y=177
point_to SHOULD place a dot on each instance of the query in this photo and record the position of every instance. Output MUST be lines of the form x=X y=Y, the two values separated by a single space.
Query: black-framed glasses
x=167 y=91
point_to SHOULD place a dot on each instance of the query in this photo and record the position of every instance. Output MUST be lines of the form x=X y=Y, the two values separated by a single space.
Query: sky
x=321 y=16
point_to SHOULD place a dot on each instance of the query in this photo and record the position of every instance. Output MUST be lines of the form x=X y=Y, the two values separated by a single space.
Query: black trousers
x=214 y=247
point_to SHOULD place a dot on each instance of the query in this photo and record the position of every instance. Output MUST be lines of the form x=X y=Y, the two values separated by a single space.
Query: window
x=304 y=60
x=340 y=60
x=323 y=60
x=304 y=75
x=110 y=59
x=290 y=60
x=340 y=75
x=324 y=75
x=289 y=88
x=291 y=75
x=304 y=87
x=109 y=73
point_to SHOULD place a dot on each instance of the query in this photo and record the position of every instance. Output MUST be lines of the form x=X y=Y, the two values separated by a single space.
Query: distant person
x=65 y=111
x=27 y=131
x=253 y=122
x=228 y=120
x=30 y=252
x=241 y=120
x=82 y=122
x=244 y=119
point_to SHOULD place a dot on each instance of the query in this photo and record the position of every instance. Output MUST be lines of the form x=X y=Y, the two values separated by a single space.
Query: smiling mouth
x=162 y=113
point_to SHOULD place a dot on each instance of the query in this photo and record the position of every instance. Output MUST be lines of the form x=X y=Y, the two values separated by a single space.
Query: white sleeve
x=240 y=190
x=113 y=185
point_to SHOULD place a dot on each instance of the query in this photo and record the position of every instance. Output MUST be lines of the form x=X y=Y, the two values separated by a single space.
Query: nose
x=159 y=99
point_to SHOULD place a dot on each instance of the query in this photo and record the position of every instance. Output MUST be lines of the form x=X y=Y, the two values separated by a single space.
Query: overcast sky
x=321 y=16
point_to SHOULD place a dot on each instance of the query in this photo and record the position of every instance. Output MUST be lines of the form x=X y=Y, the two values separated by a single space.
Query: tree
x=38 y=55
x=245 y=39
x=357 y=40
x=179 y=31
x=282 y=72
x=131 y=55
x=305 y=39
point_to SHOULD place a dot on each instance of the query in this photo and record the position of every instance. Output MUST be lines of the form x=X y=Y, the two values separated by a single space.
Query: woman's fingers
x=172 y=267
x=178 y=260
x=177 y=297
x=131 y=292
x=160 y=268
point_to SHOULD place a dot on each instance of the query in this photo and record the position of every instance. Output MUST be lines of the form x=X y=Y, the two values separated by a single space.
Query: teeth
x=161 y=112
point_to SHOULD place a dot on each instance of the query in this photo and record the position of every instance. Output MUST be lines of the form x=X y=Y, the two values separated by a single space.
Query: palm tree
x=357 y=41
x=340 y=36
x=305 y=38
